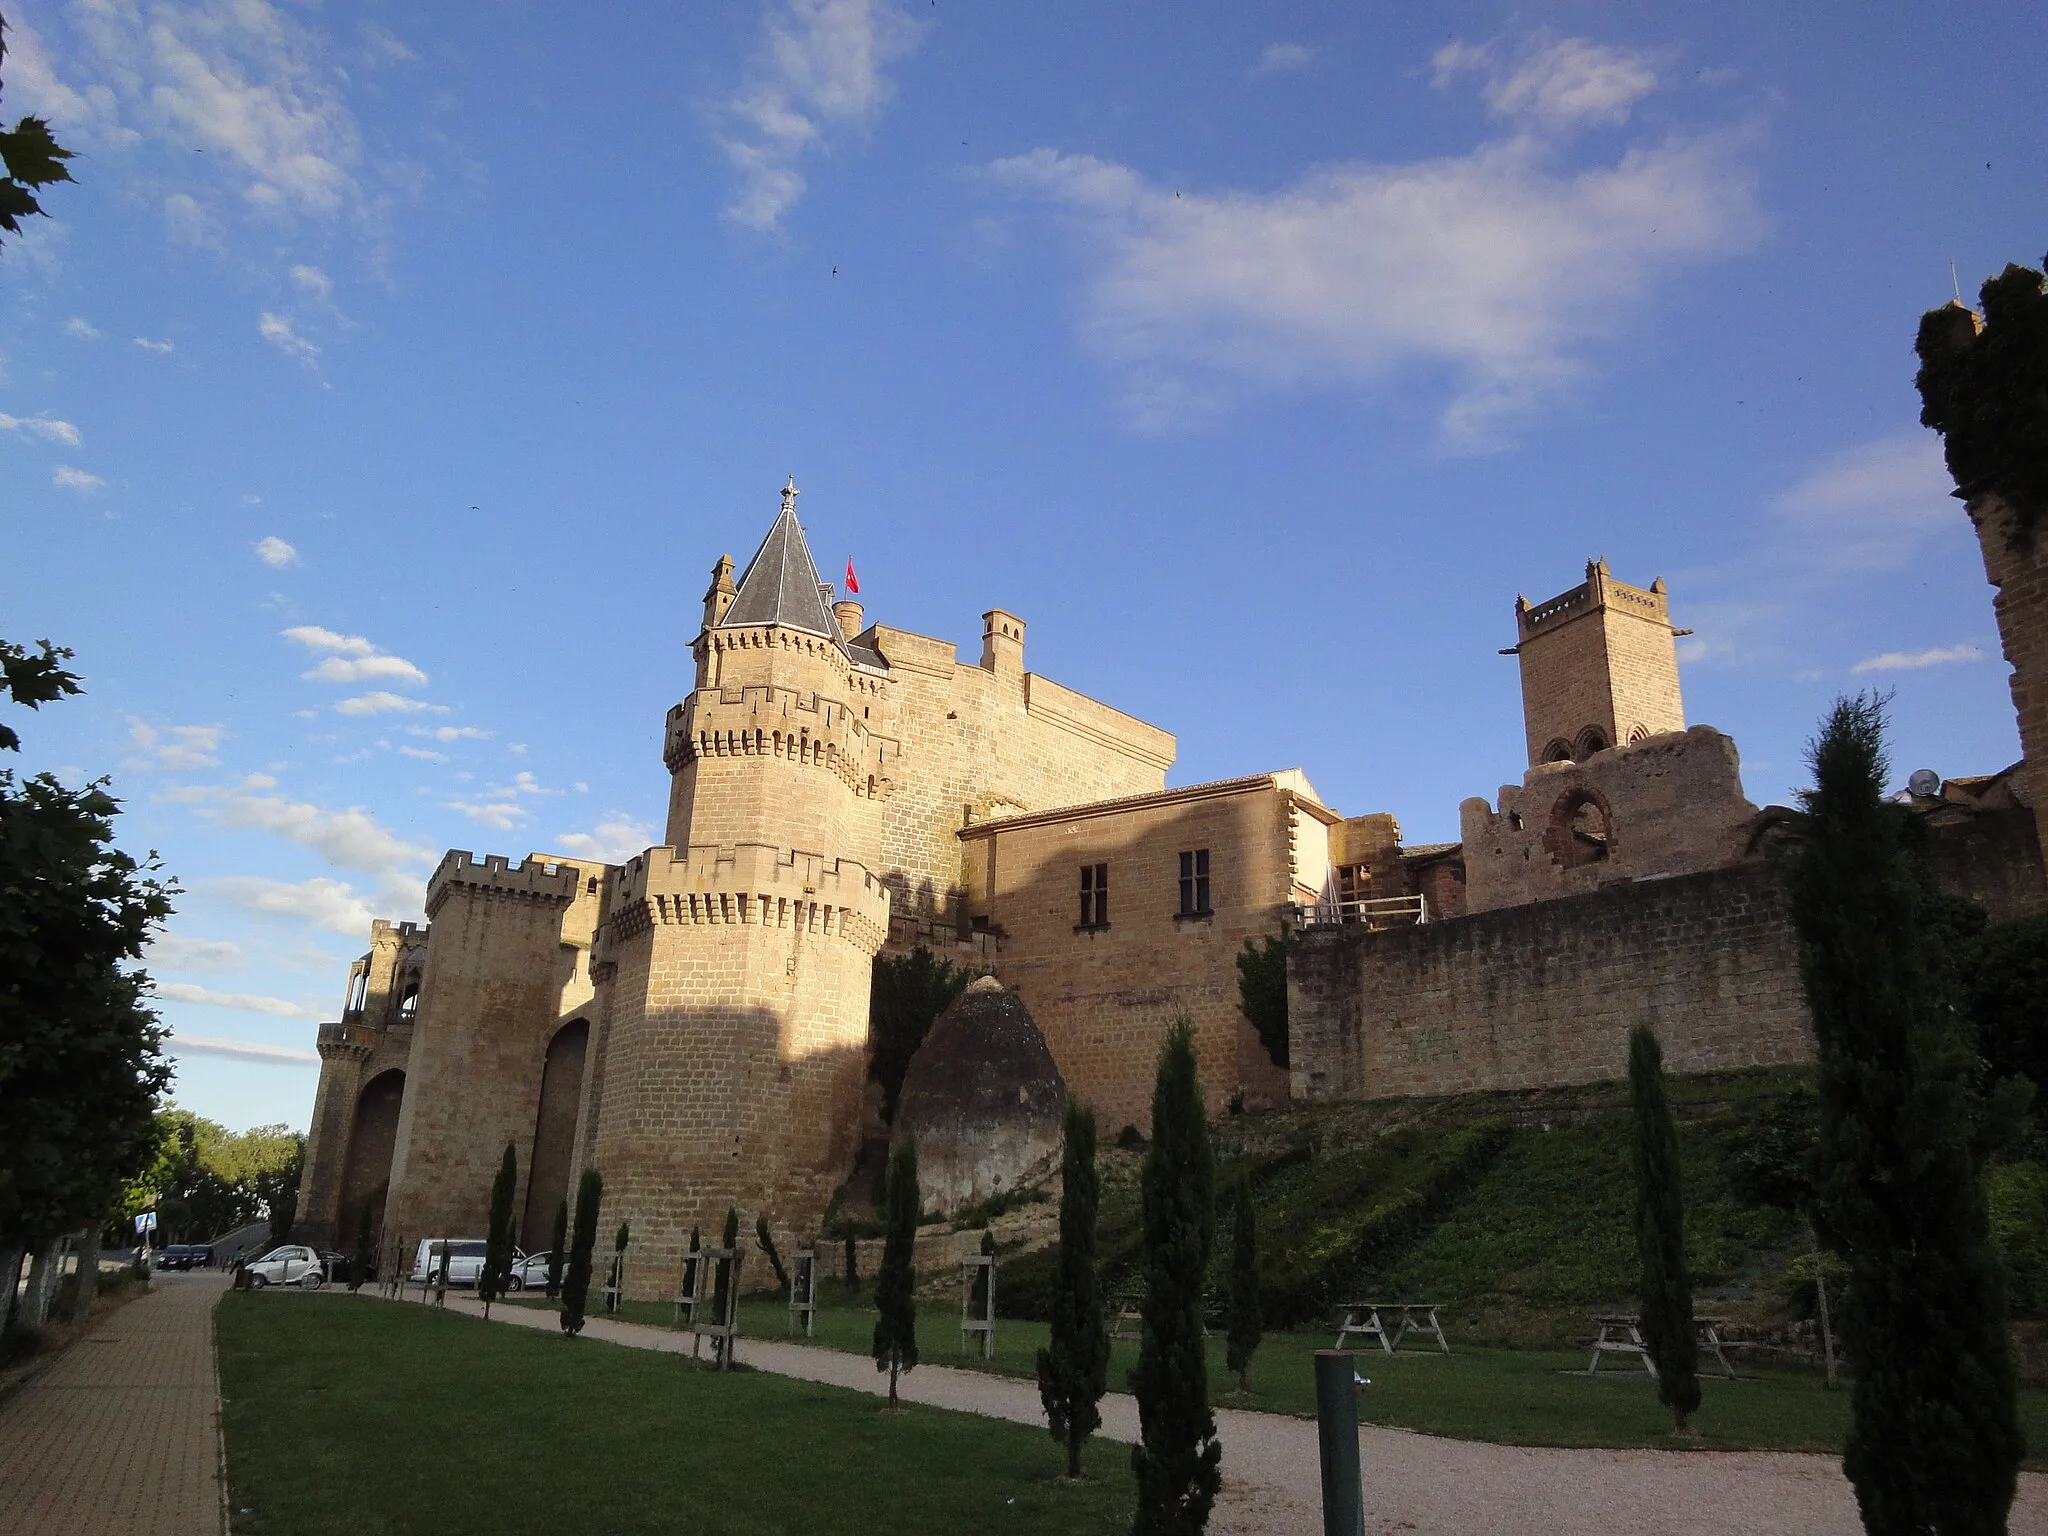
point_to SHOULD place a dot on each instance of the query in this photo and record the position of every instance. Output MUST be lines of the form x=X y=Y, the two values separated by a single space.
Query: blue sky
x=372 y=410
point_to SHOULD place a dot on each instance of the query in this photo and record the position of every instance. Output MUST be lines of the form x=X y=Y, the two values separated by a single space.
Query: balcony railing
x=1371 y=913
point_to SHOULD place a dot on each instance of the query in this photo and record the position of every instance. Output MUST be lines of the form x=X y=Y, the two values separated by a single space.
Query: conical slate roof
x=780 y=585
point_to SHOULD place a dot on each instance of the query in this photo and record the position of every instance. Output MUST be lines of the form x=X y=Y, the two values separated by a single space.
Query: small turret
x=851 y=616
x=1002 y=643
x=720 y=595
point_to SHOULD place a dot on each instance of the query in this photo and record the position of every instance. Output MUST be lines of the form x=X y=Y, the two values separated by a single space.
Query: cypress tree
x=497 y=1270
x=1073 y=1370
x=896 y=1326
x=359 y=1270
x=1664 y=1290
x=558 y=1250
x=576 y=1284
x=1178 y=1457
x=766 y=1240
x=617 y=1286
x=852 y=1264
x=1934 y=1443
x=1247 y=1325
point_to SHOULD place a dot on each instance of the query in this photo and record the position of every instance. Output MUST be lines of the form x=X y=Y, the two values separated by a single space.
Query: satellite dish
x=1925 y=783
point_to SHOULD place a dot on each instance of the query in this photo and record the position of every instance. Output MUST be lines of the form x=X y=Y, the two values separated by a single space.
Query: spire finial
x=789 y=495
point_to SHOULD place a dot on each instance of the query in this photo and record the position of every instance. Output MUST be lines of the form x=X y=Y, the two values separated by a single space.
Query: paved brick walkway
x=121 y=1435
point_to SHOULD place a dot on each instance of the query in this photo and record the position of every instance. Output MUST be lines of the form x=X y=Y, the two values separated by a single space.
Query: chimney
x=720 y=594
x=849 y=614
x=1002 y=643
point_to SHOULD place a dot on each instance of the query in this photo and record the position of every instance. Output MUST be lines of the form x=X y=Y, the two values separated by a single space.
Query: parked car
x=185 y=1256
x=531 y=1272
x=289 y=1265
x=465 y=1260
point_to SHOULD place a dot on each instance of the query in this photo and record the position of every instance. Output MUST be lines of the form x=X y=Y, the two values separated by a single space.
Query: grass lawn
x=348 y=1415
x=1509 y=1396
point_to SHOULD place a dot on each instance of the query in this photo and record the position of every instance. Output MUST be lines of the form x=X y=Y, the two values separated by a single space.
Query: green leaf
x=33 y=157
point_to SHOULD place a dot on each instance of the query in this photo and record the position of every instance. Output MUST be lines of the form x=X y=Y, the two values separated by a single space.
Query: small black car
x=185 y=1256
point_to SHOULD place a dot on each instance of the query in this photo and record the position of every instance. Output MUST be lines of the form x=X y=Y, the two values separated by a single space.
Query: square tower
x=1599 y=667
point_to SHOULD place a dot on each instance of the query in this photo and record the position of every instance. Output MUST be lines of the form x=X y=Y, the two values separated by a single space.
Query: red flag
x=852 y=581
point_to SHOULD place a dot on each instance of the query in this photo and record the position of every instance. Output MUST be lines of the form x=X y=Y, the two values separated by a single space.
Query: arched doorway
x=554 y=1133
x=367 y=1173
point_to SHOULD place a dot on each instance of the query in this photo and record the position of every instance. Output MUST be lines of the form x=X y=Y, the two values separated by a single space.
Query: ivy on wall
x=1983 y=385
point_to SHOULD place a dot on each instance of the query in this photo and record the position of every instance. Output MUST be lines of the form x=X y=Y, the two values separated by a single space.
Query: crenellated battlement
x=769 y=722
x=532 y=879
x=750 y=885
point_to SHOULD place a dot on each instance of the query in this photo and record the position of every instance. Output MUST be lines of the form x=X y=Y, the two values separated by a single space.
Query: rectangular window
x=1094 y=895
x=1194 y=883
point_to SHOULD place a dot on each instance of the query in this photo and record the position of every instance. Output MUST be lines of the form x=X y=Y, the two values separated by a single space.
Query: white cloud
x=348 y=839
x=67 y=478
x=155 y=346
x=274 y=552
x=277 y=330
x=1912 y=661
x=498 y=815
x=1498 y=267
x=48 y=428
x=315 y=638
x=1553 y=83
x=425 y=754
x=367 y=669
x=323 y=902
x=83 y=330
x=388 y=45
x=820 y=67
x=1869 y=507
x=245 y=1002
x=241 y=79
x=380 y=702
x=239 y=1050
x=526 y=784
x=33 y=87
x=314 y=281
x=448 y=732
x=176 y=952
x=1282 y=58
x=174 y=746
x=614 y=840
x=189 y=223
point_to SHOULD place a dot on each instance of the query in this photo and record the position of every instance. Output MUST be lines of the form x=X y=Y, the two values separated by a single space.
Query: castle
x=694 y=1022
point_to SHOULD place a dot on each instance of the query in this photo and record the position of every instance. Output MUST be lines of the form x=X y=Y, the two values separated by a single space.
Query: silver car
x=289 y=1265
x=530 y=1273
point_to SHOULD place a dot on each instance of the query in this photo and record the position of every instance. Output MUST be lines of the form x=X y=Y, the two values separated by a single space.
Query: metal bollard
x=1337 y=1434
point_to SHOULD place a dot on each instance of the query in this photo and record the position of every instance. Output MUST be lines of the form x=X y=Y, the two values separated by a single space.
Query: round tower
x=737 y=959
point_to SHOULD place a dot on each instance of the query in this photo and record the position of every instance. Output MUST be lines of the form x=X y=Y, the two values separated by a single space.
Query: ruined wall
x=1669 y=805
x=1993 y=858
x=2019 y=570
x=1546 y=994
x=1104 y=997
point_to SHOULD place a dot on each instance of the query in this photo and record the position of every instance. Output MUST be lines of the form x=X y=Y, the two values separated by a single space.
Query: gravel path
x=1413 y=1482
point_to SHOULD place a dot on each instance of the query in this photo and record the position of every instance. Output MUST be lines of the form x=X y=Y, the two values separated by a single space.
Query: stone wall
x=2019 y=570
x=1546 y=994
x=1668 y=805
x=1104 y=997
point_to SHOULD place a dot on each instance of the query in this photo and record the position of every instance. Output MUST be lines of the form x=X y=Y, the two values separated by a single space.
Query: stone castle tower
x=1599 y=667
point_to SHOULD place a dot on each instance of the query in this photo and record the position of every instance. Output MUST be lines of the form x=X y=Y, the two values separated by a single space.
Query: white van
x=465 y=1260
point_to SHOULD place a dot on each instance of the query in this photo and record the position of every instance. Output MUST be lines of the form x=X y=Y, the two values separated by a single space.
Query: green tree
x=278 y=1189
x=895 y=1299
x=32 y=160
x=905 y=998
x=616 y=1287
x=80 y=1052
x=1262 y=993
x=497 y=1270
x=1984 y=387
x=766 y=1241
x=1664 y=1285
x=1073 y=1368
x=852 y=1263
x=1178 y=1457
x=1934 y=1443
x=576 y=1284
x=1247 y=1324
x=558 y=1250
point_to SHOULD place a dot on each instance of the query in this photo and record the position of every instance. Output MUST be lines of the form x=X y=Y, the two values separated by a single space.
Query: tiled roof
x=780 y=585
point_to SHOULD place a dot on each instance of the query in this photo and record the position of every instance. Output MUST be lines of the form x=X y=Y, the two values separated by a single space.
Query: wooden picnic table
x=1611 y=1342
x=1363 y=1318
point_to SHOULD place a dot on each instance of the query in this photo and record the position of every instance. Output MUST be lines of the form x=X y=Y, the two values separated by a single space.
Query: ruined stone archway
x=372 y=1135
x=554 y=1132
x=1580 y=830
